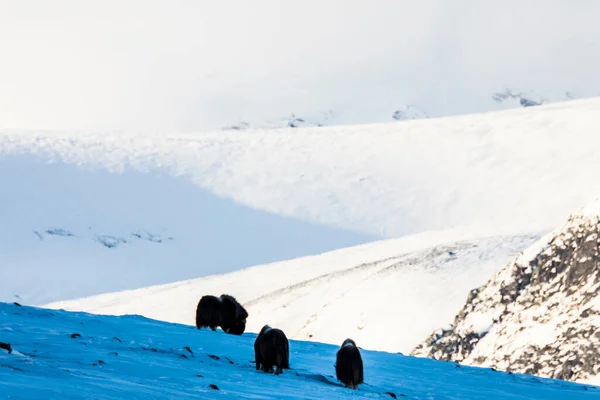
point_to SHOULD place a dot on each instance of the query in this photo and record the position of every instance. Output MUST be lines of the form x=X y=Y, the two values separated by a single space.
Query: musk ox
x=271 y=349
x=223 y=311
x=208 y=312
x=349 y=365
x=233 y=315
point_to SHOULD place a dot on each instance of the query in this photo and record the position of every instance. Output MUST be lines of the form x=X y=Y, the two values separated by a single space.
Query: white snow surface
x=408 y=286
x=64 y=355
x=70 y=231
x=487 y=170
x=231 y=200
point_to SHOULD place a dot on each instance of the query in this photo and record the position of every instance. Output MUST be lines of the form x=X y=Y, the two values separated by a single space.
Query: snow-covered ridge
x=383 y=179
x=538 y=315
x=421 y=280
x=67 y=355
x=72 y=231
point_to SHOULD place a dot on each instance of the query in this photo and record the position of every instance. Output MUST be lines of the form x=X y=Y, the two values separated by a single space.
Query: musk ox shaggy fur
x=233 y=315
x=349 y=365
x=224 y=311
x=271 y=349
x=208 y=312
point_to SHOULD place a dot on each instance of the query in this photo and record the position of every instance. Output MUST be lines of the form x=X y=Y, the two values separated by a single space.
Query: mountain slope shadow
x=206 y=234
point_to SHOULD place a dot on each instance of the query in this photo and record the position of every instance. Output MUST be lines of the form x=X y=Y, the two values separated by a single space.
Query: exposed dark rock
x=6 y=347
x=551 y=293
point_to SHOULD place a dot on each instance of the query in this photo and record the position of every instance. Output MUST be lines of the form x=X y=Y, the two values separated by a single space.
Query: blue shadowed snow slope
x=107 y=232
x=133 y=357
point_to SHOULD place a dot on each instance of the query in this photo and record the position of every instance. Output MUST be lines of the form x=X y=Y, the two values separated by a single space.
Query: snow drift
x=76 y=355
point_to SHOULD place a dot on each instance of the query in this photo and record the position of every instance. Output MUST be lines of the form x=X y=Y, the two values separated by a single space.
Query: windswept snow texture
x=70 y=231
x=62 y=355
x=485 y=173
x=388 y=295
x=487 y=170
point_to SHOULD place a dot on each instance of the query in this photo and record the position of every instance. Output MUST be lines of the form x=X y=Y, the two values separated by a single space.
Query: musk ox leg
x=257 y=359
x=278 y=370
x=267 y=369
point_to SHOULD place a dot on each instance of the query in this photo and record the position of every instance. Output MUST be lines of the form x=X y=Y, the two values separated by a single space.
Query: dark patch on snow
x=117 y=339
x=109 y=241
x=17 y=304
x=11 y=367
x=525 y=102
x=150 y=237
x=214 y=357
x=188 y=349
x=392 y=395
x=213 y=386
x=6 y=347
x=238 y=127
x=59 y=232
x=75 y=335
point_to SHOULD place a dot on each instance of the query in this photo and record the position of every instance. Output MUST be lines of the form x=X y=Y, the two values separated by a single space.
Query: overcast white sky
x=192 y=65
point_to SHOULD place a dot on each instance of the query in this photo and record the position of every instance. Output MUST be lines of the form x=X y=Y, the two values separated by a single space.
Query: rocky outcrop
x=408 y=112
x=539 y=315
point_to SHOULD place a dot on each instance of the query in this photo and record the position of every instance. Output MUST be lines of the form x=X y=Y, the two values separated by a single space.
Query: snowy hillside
x=70 y=231
x=407 y=286
x=61 y=355
x=231 y=200
x=538 y=315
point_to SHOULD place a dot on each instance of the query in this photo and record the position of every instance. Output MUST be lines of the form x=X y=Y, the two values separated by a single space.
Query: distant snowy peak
x=328 y=118
x=291 y=121
x=538 y=315
x=408 y=112
x=358 y=113
x=530 y=98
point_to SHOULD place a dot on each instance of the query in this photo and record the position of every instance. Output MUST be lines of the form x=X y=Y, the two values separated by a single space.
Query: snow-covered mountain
x=62 y=355
x=231 y=200
x=538 y=315
x=406 y=286
x=338 y=117
x=70 y=231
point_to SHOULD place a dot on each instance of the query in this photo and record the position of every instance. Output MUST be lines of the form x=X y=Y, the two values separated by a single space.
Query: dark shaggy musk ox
x=271 y=349
x=223 y=311
x=208 y=312
x=233 y=315
x=349 y=365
